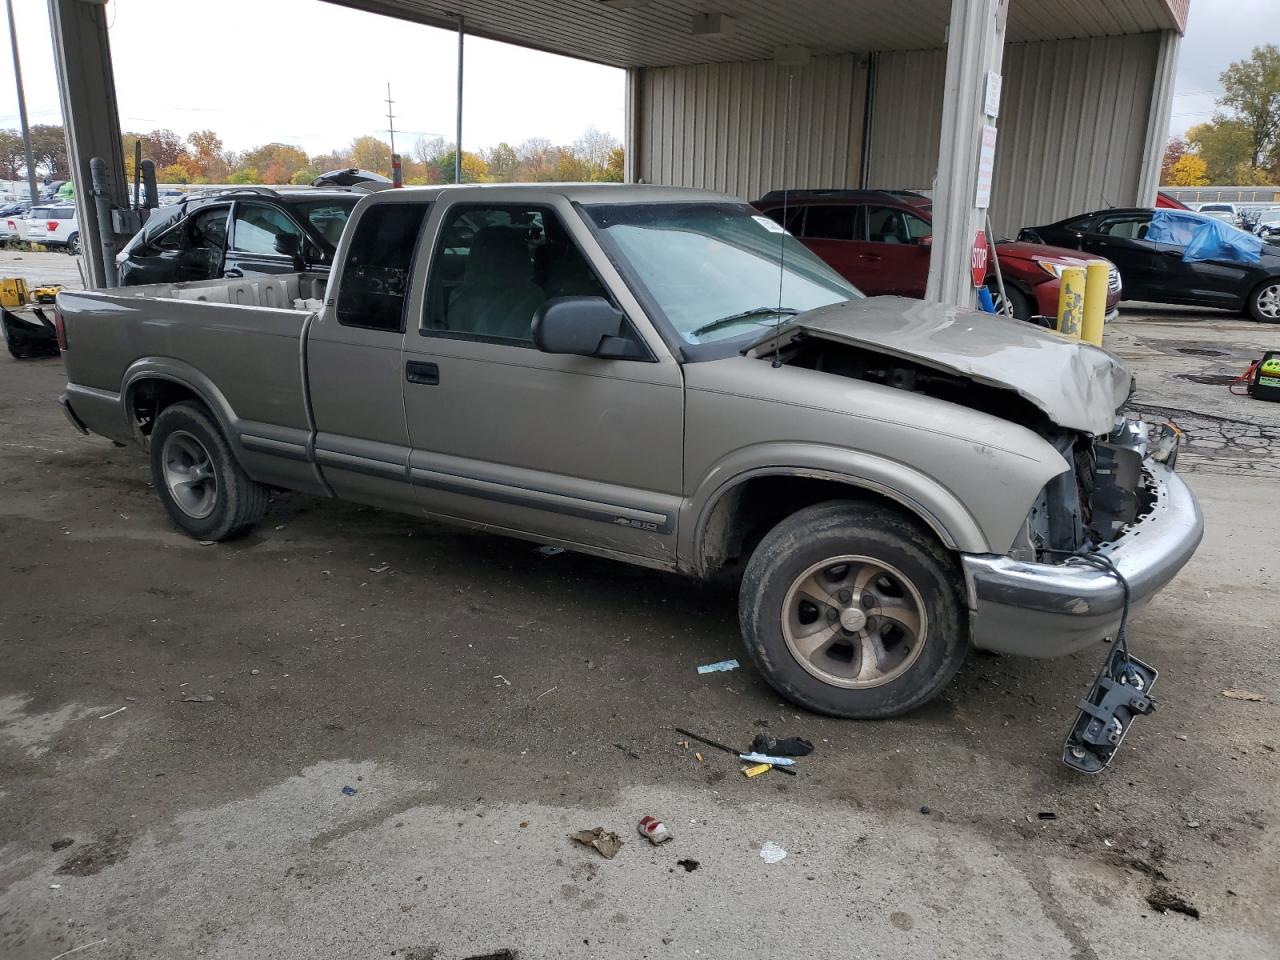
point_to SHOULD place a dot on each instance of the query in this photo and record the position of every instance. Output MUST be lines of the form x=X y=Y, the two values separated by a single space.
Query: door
x=263 y=239
x=1146 y=269
x=830 y=231
x=894 y=248
x=354 y=365
x=192 y=249
x=580 y=450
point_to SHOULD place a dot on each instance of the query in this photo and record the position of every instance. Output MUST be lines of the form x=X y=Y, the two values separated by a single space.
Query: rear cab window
x=374 y=285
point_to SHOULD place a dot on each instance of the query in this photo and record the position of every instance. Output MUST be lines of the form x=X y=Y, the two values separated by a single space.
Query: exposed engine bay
x=1106 y=488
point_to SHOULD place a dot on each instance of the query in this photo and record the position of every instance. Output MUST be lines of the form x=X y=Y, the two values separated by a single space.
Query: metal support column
x=22 y=109
x=457 y=150
x=975 y=47
x=1157 y=135
x=632 y=171
x=88 y=92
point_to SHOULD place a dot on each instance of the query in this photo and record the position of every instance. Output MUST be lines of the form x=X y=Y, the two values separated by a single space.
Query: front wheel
x=202 y=486
x=1264 y=302
x=853 y=610
x=1017 y=300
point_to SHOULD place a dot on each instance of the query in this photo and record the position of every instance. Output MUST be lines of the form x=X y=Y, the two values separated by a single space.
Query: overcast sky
x=314 y=74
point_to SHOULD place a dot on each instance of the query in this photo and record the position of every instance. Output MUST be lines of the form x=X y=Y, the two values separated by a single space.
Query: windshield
x=713 y=268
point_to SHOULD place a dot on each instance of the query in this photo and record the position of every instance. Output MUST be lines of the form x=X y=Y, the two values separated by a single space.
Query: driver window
x=1131 y=227
x=257 y=226
x=495 y=266
x=208 y=229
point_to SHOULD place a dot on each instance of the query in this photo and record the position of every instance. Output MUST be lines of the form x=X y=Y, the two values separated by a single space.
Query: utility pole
x=391 y=120
x=22 y=107
x=457 y=152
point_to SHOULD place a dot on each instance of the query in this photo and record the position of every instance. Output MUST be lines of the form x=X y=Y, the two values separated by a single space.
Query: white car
x=54 y=226
x=9 y=217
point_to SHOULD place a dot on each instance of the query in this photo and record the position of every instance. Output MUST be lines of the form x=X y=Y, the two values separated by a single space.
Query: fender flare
x=919 y=494
x=186 y=375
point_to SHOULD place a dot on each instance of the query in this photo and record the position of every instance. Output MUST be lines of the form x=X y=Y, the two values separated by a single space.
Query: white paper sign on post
x=986 y=167
x=991 y=103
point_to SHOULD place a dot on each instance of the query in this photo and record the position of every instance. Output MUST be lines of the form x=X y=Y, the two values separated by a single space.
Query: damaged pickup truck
x=664 y=377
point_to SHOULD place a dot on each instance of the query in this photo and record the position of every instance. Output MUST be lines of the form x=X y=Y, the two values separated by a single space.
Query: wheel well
x=148 y=398
x=743 y=515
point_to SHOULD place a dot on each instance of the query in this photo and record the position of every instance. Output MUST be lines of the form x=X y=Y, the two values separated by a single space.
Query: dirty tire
x=886 y=537
x=1263 y=304
x=238 y=502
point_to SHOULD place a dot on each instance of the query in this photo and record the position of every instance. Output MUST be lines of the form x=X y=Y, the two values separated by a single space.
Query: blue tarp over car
x=1203 y=238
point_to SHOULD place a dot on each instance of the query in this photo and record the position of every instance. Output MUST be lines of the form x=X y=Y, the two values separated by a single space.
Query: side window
x=794 y=224
x=836 y=222
x=208 y=229
x=917 y=229
x=887 y=225
x=257 y=227
x=495 y=266
x=1127 y=227
x=375 y=276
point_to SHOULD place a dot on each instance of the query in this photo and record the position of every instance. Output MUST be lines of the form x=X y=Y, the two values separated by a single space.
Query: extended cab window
x=375 y=278
x=495 y=266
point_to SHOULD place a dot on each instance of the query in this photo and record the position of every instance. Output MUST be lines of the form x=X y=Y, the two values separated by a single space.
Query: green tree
x=1251 y=90
x=49 y=150
x=502 y=161
x=1224 y=145
x=243 y=175
x=370 y=153
x=615 y=170
x=12 y=155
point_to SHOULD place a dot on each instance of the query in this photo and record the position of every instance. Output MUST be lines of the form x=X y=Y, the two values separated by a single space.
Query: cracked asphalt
x=187 y=717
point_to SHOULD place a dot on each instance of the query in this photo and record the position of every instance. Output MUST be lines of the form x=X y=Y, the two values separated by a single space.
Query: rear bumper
x=1050 y=610
x=74 y=420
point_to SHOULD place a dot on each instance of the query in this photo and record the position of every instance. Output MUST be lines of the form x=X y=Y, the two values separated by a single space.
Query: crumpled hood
x=1077 y=385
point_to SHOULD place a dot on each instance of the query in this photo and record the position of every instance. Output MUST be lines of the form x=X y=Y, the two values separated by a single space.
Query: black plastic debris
x=789 y=747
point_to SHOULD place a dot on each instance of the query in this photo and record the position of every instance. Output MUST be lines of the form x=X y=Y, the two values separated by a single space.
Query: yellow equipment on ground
x=13 y=292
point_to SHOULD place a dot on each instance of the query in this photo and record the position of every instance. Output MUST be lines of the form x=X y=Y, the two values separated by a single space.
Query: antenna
x=782 y=237
x=391 y=123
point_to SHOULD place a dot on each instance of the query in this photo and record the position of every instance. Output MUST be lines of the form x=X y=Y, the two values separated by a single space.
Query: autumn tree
x=275 y=162
x=1188 y=171
x=206 y=151
x=1224 y=145
x=1251 y=92
x=595 y=146
x=502 y=162
x=371 y=153
x=13 y=157
x=163 y=147
x=1173 y=152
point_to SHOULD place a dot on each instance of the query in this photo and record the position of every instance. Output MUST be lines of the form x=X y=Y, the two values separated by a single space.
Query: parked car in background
x=10 y=214
x=54 y=226
x=1160 y=272
x=636 y=372
x=879 y=240
x=169 y=196
x=239 y=233
x=1226 y=212
x=1268 y=225
x=1168 y=201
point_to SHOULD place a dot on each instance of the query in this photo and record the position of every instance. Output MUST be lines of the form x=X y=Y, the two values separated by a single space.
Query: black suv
x=237 y=233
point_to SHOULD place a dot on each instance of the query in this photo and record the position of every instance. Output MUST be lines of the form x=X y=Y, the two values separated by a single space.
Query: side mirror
x=585 y=327
x=925 y=241
x=290 y=244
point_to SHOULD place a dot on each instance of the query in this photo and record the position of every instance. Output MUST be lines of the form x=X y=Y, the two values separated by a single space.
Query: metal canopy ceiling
x=647 y=33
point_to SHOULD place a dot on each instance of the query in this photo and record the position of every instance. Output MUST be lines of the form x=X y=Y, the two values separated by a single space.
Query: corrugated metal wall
x=720 y=126
x=906 y=119
x=1072 y=125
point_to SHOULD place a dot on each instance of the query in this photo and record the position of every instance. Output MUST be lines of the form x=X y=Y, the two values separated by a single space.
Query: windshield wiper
x=745 y=315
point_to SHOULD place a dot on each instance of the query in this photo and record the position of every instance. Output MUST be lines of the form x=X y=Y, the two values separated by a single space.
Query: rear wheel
x=1264 y=302
x=853 y=610
x=73 y=245
x=200 y=483
x=1016 y=299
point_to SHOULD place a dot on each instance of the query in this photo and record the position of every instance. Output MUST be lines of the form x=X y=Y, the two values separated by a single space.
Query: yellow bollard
x=1071 y=302
x=1097 y=273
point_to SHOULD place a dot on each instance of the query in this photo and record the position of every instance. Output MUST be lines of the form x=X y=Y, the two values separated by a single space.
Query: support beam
x=1158 y=119
x=633 y=132
x=457 y=144
x=87 y=86
x=975 y=47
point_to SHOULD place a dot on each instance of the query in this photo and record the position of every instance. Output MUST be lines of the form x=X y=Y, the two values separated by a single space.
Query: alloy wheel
x=1268 y=301
x=854 y=621
x=189 y=475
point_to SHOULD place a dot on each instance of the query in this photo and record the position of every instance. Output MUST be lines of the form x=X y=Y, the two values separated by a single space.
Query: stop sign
x=978 y=264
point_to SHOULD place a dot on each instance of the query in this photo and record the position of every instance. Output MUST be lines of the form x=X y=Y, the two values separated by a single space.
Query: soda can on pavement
x=654 y=830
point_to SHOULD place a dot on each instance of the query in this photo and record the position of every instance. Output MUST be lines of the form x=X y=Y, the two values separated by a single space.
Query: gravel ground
x=187 y=717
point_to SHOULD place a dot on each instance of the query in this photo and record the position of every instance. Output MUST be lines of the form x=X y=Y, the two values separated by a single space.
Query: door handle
x=419 y=371
x=233 y=273
x=870 y=257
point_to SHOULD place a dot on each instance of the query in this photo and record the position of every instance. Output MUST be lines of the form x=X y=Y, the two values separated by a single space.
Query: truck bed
x=236 y=342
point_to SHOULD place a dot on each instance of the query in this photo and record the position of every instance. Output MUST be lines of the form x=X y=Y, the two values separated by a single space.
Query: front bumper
x=1053 y=609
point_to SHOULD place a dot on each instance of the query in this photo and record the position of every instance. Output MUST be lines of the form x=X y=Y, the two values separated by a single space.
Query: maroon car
x=879 y=241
